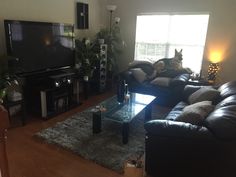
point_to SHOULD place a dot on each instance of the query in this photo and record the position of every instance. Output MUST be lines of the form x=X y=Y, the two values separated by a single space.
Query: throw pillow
x=196 y=113
x=161 y=81
x=204 y=94
x=139 y=74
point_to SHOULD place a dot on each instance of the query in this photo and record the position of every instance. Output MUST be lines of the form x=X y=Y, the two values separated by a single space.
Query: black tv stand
x=50 y=93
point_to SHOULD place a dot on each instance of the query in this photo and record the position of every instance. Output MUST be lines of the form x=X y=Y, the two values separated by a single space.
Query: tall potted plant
x=86 y=56
x=112 y=37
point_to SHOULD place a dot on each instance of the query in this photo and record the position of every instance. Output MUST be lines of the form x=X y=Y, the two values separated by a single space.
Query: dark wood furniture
x=51 y=93
x=4 y=124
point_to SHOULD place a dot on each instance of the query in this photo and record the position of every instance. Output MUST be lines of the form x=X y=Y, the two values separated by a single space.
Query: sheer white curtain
x=158 y=35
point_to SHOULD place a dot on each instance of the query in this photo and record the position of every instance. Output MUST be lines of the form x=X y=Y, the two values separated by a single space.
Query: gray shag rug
x=106 y=148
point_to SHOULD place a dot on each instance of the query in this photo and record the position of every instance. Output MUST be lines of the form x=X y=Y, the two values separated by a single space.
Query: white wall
x=221 y=31
x=62 y=11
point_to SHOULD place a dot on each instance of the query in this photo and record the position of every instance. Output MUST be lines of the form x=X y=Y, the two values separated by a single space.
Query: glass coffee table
x=123 y=113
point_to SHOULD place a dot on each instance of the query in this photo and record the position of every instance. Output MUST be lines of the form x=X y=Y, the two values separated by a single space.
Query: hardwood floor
x=29 y=157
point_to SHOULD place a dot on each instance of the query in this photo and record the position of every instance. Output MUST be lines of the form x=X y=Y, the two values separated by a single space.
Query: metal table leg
x=125 y=132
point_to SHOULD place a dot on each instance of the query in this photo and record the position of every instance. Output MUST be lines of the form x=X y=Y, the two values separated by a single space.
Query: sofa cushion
x=196 y=113
x=161 y=81
x=139 y=74
x=176 y=111
x=204 y=94
x=222 y=122
x=189 y=90
x=173 y=115
x=181 y=79
x=180 y=106
x=231 y=100
x=168 y=128
x=227 y=89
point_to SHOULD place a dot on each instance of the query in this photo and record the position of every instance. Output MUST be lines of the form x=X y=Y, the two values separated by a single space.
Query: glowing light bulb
x=215 y=57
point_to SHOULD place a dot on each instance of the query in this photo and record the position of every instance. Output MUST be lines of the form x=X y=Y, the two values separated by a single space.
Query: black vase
x=121 y=91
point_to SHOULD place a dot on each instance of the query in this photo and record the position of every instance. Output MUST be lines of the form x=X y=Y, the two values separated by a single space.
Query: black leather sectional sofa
x=186 y=150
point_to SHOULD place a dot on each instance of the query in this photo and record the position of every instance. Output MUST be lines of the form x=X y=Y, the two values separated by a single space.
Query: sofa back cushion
x=231 y=100
x=227 y=89
x=222 y=122
x=189 y=90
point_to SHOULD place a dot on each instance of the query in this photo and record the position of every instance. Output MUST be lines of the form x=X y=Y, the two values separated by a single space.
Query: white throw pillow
x=161 y=81
x=139 y=74
x=196 y=113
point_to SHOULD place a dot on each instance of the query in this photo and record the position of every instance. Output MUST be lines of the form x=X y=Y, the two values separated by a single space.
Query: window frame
x=168 y=44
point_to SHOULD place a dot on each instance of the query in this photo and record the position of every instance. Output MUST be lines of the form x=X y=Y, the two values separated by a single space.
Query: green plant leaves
x=3 y=93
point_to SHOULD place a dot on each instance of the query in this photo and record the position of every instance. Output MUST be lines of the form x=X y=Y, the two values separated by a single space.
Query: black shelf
x=43 y=97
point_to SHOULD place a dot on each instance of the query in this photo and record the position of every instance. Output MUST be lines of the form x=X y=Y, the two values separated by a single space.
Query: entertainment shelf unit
x=48 y=94
x=42 y=55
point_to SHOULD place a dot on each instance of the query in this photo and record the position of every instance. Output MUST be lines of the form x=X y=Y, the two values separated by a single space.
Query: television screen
x=39 y=46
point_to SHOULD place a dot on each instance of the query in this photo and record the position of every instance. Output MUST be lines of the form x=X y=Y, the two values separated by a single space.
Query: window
x=158 y=35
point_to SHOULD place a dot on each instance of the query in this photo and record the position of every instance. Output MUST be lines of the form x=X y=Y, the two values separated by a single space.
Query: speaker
x=82 y=15
x=103 y=67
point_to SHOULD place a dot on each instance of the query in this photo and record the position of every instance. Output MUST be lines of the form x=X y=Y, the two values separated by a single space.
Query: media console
x=51 y=93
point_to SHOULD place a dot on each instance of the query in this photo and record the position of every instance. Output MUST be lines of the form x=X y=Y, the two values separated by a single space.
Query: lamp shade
x=111 y=7
x=215 y=57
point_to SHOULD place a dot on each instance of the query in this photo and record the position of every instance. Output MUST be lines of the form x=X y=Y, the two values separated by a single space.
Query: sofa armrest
x=126 y=75
x=129 y=78
x=168 y=128
x=185 y=149
x=180 y=80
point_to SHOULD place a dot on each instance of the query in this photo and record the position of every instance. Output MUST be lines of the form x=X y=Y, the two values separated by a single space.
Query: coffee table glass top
x=125 y=112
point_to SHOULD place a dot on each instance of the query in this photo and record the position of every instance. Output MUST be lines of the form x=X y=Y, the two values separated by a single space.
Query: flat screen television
x=39 y=46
